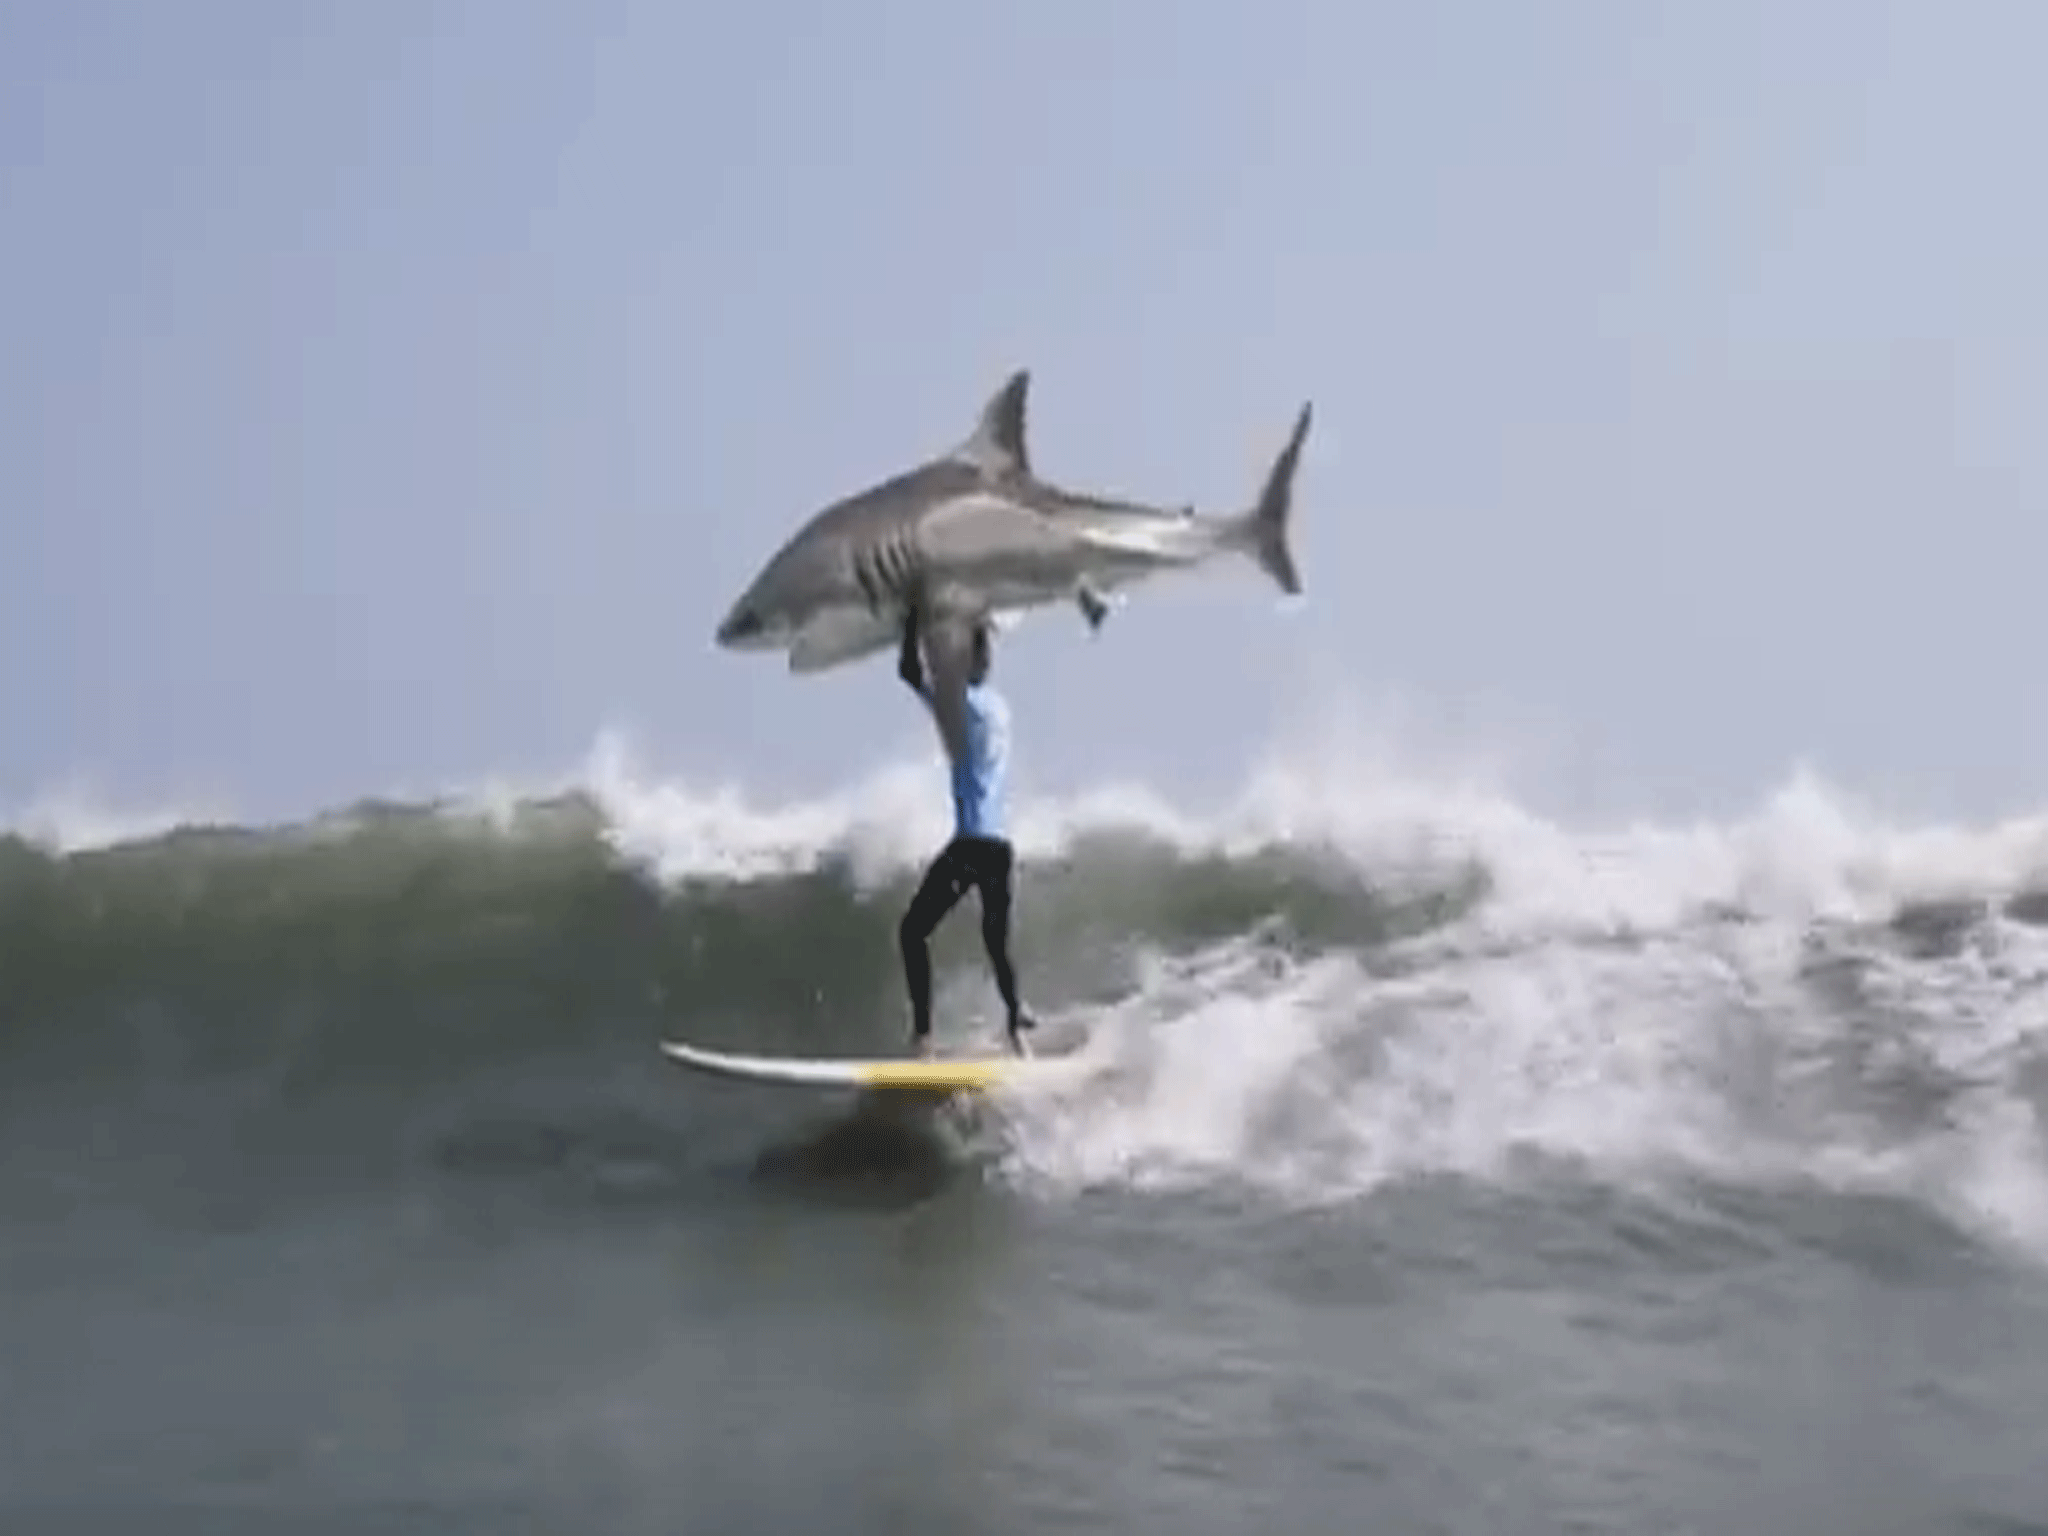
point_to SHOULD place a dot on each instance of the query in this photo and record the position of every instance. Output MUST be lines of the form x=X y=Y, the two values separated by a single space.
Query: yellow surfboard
x=970 y=1074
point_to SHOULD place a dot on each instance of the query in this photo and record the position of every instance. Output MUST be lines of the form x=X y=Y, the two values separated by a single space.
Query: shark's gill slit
x=902 y=566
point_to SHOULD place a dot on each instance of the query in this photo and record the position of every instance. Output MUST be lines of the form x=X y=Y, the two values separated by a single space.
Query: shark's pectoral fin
x=1093 y=605
x=997 y=447
x=948 y=647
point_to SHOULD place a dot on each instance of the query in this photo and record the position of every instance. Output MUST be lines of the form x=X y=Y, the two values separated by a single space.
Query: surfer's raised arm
x=909 y=663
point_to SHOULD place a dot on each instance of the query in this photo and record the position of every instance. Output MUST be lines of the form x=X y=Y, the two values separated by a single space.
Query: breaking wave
x=1343 y=980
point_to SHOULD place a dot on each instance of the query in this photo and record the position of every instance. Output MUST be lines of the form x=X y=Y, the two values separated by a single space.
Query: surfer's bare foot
x=921 y=1047
x=1015 y=1033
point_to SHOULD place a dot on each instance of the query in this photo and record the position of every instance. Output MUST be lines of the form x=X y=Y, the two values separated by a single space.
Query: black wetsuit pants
x=986 y=864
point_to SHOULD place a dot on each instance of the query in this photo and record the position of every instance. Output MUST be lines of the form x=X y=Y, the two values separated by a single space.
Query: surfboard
x=959 y=1074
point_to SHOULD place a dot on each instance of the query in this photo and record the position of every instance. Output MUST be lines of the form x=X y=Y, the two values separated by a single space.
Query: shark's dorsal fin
x=998 y=446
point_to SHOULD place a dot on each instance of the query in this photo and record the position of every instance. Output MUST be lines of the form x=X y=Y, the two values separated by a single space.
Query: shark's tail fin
x=1266 y=524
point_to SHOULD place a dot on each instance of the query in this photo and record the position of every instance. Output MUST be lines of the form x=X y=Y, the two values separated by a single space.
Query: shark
x=975 y=536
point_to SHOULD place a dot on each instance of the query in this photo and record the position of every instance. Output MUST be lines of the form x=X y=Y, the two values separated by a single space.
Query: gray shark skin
x=973 y=534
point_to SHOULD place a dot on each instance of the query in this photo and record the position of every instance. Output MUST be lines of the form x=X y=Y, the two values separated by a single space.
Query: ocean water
x=1436 y=1168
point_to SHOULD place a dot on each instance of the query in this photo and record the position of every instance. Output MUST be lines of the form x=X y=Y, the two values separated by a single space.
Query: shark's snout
x=742 y=627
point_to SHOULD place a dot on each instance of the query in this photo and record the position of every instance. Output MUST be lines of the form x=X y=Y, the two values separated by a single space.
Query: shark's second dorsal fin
x=998 y=446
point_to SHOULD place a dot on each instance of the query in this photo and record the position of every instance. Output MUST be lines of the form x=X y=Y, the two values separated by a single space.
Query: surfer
x=979 y=853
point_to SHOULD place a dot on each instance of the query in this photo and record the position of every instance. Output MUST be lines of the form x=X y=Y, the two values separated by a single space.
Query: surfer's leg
x=944 y=884
x=995 y=870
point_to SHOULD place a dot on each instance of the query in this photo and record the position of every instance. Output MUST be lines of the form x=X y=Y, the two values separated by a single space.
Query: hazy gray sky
x=392 y=393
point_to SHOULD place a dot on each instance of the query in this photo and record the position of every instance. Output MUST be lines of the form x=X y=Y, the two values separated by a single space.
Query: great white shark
x=974 y=534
